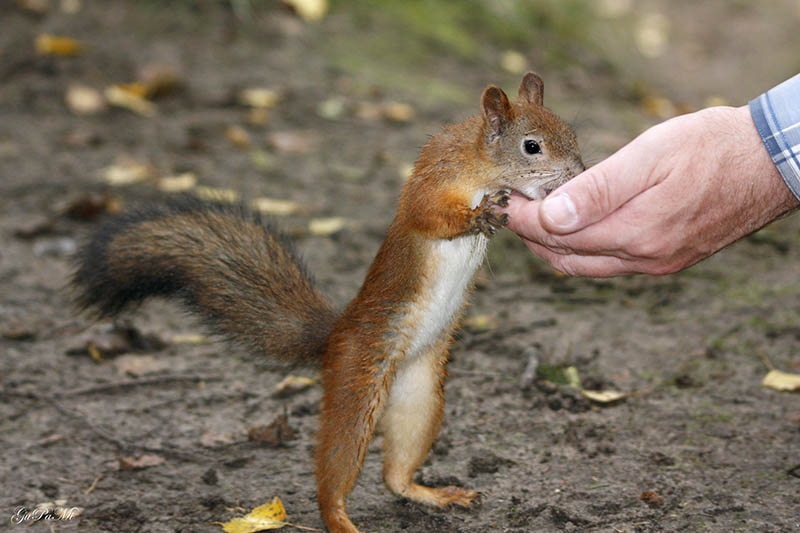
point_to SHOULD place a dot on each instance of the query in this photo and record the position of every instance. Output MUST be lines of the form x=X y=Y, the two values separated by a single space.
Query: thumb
x=593 y=194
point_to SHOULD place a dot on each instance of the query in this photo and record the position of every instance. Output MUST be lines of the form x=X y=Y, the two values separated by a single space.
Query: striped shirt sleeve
x=776 y=114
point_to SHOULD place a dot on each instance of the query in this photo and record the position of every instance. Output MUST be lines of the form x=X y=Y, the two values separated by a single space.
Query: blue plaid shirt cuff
x=776 y=114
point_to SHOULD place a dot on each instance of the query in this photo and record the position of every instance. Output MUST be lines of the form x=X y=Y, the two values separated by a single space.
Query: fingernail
x=559 y=211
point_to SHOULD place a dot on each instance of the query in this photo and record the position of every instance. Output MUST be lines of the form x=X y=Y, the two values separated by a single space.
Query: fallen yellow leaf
x=481 y=322
x=127 y=171
x=215 y=194
x=309 y=10
x=190 y=338
x=268 y=516
x=56 y=45
x=398 y=111
x=128 y=97
x=292 y=384
x=327 y=226
x=180 y=183
x=258 y=97
x=238 y=136
x=135 y=88
x=84 y=100
x=783 y=381
x=604 y=396
x=513 y=62
x=272 y=206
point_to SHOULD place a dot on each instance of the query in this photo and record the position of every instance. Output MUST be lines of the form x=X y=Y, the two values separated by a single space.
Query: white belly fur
x=453 y=265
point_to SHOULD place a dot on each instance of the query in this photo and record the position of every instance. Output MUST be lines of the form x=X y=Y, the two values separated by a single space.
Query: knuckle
x=647 y=249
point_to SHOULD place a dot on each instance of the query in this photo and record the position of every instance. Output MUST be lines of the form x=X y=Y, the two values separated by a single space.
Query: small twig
x=93 y=485
x=118 y=385
x=765 y=359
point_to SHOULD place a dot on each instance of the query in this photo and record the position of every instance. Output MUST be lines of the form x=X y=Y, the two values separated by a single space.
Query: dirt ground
x=157 y=440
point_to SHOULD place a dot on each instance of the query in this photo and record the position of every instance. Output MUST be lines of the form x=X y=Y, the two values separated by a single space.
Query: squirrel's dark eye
x=531 y=147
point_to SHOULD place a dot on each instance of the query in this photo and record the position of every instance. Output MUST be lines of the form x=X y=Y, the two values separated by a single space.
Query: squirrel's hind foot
x=439 y=497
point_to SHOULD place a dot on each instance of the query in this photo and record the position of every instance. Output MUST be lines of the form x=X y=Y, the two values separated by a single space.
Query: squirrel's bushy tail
x=223 y=262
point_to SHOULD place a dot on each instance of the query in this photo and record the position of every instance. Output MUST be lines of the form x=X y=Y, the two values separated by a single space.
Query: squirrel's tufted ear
x=531 y=89
x=496 y=111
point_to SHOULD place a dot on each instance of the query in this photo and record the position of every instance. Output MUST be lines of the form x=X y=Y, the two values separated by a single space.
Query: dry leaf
x=278 y=433
x=651 y=498
x=782 y=381
x=268 y=516
x=659 y=106
x=309 y=10
x=369 y=111
x=89 y=206
x=190 y=338
x=481 y=322
x=292 y=385
x=272 y=206
x=394 y=111
x=238 y=136
x=102 y=340
x=212 y=439
x=259 y=97
x=652 y=35
x=513 y=62
x=136 y=463
x=39 y=7
x=572 y=377
x=139 y=365
x=179 y=183
x=158 y=79
x=398 y=111
x=84 y=100
x=605 y=396
x=214 y=194
x=135 y=88
x=130 y=97
x=293 y=142
x=331 y=109
x=56 y=45
x=127 y=171
x=327 y=226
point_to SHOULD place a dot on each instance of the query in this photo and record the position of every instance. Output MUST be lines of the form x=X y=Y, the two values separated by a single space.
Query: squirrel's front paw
x=486 y=219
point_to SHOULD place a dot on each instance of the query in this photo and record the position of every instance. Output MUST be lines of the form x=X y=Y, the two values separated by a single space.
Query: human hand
x=675 y=195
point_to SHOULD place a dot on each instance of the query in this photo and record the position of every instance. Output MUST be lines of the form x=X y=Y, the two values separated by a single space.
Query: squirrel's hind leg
x=354 y=398
x=411 y=423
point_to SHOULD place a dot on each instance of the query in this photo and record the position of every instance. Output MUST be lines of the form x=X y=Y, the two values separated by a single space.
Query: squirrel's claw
x=501 y=198
x=487 y=220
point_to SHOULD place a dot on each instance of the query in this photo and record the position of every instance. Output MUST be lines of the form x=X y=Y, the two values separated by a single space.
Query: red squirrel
x=383 y=358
